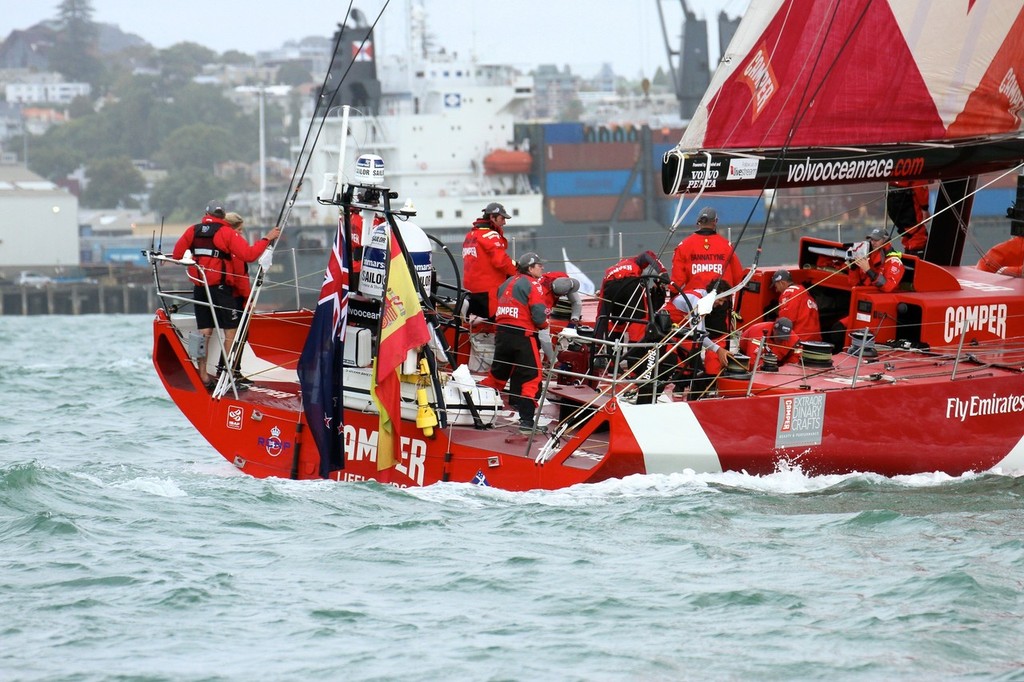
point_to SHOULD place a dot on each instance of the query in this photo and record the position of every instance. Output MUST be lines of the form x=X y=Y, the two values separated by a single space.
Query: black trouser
x=479 y=305
x=517 y=360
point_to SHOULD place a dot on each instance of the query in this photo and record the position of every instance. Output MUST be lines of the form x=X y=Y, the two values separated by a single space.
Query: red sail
x=806 y=73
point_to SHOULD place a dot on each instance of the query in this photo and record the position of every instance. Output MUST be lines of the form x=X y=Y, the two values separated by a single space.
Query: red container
x=592 y=156
x=595 y=208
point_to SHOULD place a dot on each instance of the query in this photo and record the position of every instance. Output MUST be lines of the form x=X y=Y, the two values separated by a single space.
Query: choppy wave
x=132 y=551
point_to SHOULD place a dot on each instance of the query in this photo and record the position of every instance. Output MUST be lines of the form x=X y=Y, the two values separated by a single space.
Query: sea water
x=130 y=550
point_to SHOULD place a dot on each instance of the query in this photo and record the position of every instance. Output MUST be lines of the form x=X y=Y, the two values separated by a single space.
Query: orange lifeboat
x=502 y=161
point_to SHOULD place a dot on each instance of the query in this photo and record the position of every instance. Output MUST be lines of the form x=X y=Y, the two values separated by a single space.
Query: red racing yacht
x=378 y=383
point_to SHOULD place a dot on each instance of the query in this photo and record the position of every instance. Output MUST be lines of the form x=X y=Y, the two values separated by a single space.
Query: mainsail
x=833 y=92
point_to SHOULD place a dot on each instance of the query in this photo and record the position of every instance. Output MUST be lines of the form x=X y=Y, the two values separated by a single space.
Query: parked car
x=33 y=279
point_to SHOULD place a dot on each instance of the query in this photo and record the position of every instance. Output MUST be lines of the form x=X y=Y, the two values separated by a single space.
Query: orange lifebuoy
x=423 y=165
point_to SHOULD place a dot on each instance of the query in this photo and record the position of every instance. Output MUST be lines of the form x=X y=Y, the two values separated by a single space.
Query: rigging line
x=334 y=94
x=802 y=110
x=319 y=97
x=307 y=150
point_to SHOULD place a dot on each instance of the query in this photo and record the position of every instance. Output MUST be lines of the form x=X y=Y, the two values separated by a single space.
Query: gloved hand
x=544 y=338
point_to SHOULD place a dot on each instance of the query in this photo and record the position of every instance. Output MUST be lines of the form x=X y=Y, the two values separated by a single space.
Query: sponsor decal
x=469 y=251
x=862 y=169
x=361 y=445
x=507 y=311
x=703 y=176
x=977 y=406
x=698 y=268
x=235 y=413
x=983 y=318
x=800 y=420
x=273 y=393
x=274 y=445
x=742 y=169
x=760 y=78
x=983 y=286
x=1010 y=88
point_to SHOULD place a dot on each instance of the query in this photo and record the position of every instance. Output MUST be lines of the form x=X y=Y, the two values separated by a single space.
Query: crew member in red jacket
x=1006 y=258
x=778 y=337
x=882 y=267
x=882 y=270
x=797 y=304
x=485 y=260
x=520 y=315
x=705 y=256
x=907 y=206
x=213 y=243
x=629 y=289
x=713 y=344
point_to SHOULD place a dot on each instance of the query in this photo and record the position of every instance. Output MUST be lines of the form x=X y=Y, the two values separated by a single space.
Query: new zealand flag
x=320 y=365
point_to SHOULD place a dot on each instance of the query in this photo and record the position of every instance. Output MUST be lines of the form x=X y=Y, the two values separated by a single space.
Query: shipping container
x=563 y=133
x=595 y=208
x=590 y=183
x=592 y=156
x=990 y=202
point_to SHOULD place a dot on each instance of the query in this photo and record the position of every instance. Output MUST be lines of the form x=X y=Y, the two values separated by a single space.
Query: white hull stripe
x=670 y=438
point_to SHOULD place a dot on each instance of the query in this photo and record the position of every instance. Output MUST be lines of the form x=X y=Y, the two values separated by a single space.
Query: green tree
x=183 y=194
x=236 y=57
x=79 y=107
x=54 y=154
x=74 y=51
x=293 y=73
x=199 y=146
x=111 y=183
x=182 y=62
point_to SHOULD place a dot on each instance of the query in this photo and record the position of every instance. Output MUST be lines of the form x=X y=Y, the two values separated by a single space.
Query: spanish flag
x=402 y=327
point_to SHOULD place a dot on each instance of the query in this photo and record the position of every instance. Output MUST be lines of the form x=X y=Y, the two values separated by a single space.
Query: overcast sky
x=582 y=34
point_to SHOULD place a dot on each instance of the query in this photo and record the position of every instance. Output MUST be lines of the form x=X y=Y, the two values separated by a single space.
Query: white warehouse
x=38 y=221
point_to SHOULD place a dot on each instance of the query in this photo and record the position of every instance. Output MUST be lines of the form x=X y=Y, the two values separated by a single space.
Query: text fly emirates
x=976 y=406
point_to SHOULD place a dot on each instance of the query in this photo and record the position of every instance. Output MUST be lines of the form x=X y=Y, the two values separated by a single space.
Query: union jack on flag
x=320 y=365
x=336 y=284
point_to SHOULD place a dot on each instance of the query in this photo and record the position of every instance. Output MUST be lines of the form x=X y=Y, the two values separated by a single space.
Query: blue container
x=657 y=153
x=990 y=202
x=590 y=183
x=563 y=133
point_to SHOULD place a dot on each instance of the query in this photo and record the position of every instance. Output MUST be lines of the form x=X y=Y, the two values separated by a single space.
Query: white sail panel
x=955 y=44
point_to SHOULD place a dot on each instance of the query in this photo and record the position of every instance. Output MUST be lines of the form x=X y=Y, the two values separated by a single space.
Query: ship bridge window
x=458 y=213
x=439 y=214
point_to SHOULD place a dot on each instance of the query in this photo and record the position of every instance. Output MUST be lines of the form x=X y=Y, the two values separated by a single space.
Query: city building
x=40 y=225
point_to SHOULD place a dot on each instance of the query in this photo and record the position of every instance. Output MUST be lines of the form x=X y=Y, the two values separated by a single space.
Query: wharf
x=78 y=299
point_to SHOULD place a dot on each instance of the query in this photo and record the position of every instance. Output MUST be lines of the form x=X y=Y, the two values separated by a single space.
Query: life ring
x=423 y=165
x=442 y=193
